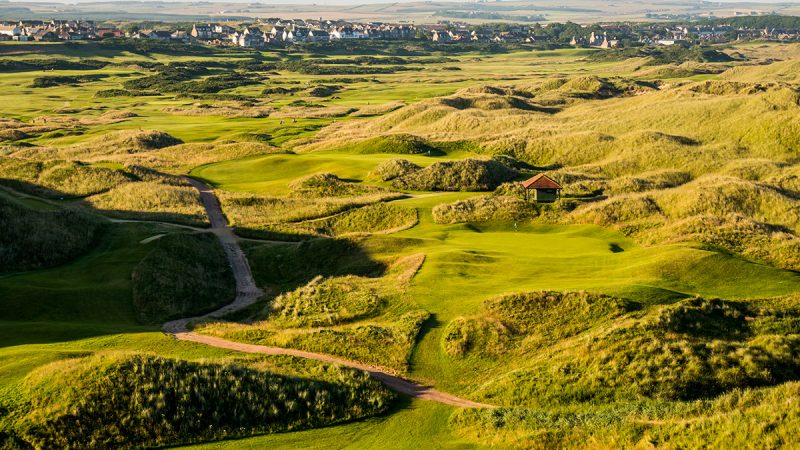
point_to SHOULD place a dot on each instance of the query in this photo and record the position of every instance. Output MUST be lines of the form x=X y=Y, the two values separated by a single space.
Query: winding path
x=247 y=293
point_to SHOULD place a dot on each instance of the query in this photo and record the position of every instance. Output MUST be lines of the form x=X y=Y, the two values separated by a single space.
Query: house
x=103 y=33
x=44 y=35
x=160 y=35
x=318 y=36
x=180 y=35
x=439 y=36
x=251 y=37
x=10 y=30
x=543 y=188
x=223 y=30
x=202 y=31
x=347 y=33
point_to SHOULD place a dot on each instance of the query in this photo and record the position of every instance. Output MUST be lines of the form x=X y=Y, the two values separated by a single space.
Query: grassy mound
x=505 y=204
x=486 y=336
x=144 y=401
x=325 y=302
x=58 y=179
x=152 y=200
x=696 y=348
x=376 y=218
x=462 y=175
x=648 y=181
x=737 y=419
x=289 y=266
x=402 y=144
x=540 y=318
x=394 y=168
x=488 y=102
x=329 y=185
x=273 y=216
x=360 y=311
x=133 y=141
x=33 y=239
x=185 y=275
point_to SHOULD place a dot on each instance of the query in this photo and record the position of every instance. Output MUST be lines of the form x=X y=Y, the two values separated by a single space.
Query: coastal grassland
x=72 y=348
x=663 y=215
x=362 y=318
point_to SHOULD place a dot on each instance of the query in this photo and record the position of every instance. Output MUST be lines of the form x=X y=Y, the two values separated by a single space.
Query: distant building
x=202 y=31
x=543 y=189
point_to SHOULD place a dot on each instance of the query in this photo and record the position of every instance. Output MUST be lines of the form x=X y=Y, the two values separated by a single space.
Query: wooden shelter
x=543 y=188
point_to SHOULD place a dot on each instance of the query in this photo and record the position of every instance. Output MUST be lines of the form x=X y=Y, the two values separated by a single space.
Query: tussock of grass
x=184 y=276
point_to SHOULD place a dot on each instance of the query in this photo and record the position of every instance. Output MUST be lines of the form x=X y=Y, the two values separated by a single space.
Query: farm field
x=376 y=203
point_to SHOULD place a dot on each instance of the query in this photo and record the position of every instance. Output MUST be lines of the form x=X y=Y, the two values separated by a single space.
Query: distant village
x=280 y=32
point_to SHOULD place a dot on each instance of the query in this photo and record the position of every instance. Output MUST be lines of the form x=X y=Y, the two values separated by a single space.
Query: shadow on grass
x=66 y=272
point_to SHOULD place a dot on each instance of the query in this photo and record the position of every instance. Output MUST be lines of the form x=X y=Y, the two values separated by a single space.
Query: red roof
x=540 y=181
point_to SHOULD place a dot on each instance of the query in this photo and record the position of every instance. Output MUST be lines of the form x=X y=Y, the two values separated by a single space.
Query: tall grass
x=122 y=401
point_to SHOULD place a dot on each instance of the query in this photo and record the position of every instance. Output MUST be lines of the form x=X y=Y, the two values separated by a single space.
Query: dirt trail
x=247 y=293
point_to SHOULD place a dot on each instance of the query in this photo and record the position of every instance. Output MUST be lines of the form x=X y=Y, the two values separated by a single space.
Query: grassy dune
x=597 y=319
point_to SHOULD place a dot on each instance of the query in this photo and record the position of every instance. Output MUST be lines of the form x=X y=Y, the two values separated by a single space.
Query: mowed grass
x=467 y=263
x=271 y=174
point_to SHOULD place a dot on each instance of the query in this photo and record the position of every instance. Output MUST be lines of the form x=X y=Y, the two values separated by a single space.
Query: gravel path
x=247 y=293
